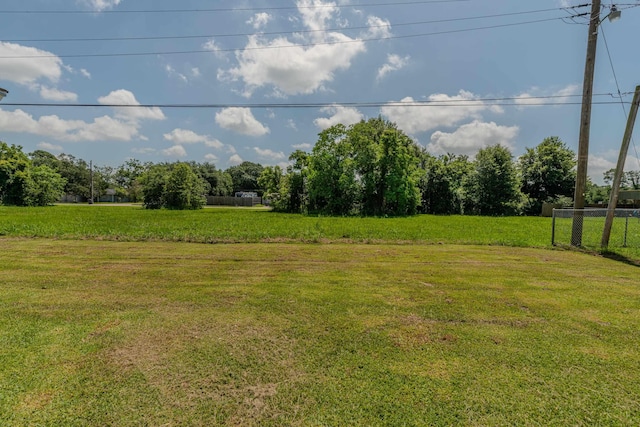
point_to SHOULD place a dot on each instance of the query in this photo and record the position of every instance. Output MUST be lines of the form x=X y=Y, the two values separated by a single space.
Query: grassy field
x=108 y=316
x=159 y=333
x=259 y=225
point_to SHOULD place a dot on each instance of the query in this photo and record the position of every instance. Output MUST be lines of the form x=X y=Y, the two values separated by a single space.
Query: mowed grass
x=97 y=333
x=133 y=223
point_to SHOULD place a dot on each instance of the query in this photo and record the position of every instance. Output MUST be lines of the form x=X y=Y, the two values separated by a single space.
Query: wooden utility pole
x=615 y=187
x=585 y=126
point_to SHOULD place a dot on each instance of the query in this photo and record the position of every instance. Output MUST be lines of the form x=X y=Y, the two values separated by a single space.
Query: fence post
x=553 y=227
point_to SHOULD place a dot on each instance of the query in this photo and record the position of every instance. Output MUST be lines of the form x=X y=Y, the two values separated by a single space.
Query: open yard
x=121 y=316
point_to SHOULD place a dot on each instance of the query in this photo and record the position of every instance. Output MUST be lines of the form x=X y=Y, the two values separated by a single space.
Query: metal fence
x=233 y=201
x=625 y=231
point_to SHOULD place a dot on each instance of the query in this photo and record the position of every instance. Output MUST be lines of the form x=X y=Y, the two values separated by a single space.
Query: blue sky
x=329 y=61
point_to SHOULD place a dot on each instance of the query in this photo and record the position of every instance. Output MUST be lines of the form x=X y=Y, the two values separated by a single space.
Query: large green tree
x=369 y=168
x=245 y=176
x=172 y=186
x=77 y=175
x=24 y=184
x=493 y=187
x=547 y=173
x=127 y=179
x=219 y=182
x=332 y=185
x=184 y=189
x=442 y=184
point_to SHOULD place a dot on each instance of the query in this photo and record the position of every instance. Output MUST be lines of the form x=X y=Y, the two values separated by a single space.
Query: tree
x=270 y=180
x=184 y=189
x=41 y=157
x=127 y=179
x=547 y=173
x=44 y=186
x=493 y=188
x=630 y=179
x=76 y=173
x=172 y=186
x=443 y=183
x=22 y=183
x=13 y=166
x=219 y=182
x=369 y=168
x=153 y=183
x=245 y=176
x=332 y=185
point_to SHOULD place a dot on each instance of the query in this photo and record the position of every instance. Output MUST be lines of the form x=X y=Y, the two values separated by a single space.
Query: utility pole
x=585 y=126
x=615 y=187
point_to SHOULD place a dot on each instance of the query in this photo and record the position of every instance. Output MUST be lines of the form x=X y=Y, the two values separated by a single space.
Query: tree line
x=370 y=168
x=374 y=168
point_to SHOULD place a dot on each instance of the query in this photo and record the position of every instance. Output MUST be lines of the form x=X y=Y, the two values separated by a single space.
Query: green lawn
x=97 y=333
x=260 y=225
x=112 y=316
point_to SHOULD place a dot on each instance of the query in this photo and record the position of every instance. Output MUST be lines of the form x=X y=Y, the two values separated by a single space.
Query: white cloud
x=394 y=63
x=301 y=67
x=469 y=138
x=339 y=114
x=143 y=150
x=211 y=158
x=291 y=124
x=531 y=97
x=195 y=72
x=19 y=66
x=50 y=147
x=215 y=48
x=316 y=13
x=235 y=160
x=240 y=120
x=270 y=154
x=305 y=146
x=171 y=72
x=85 y=73
x=599 y=163
x=101 y=129
x=259 y=20
x=100 y=5
x=57 y=95
x=184 y=136
x=447 y=111
x=291 y=68
x=125 y=97
x=378 y=28
x=176 y=151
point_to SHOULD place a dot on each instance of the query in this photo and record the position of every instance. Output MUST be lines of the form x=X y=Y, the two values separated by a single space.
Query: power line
x=615 y=78
x=224 y=35
x=351 y=41
x=515 y=102
x=226 y=9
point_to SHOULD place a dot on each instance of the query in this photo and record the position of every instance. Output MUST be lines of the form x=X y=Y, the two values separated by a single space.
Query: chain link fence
x=583 y=227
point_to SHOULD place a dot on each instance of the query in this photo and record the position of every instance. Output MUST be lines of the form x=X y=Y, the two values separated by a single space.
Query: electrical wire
x=437 y=21
x=488 y=102
x=226 y=9
x=351 y=41
x=615 y=78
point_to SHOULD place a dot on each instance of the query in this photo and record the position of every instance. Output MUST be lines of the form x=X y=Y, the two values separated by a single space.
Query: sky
x=226 y=81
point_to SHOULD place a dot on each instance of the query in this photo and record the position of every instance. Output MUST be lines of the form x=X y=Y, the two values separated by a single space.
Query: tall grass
x=258 y=225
